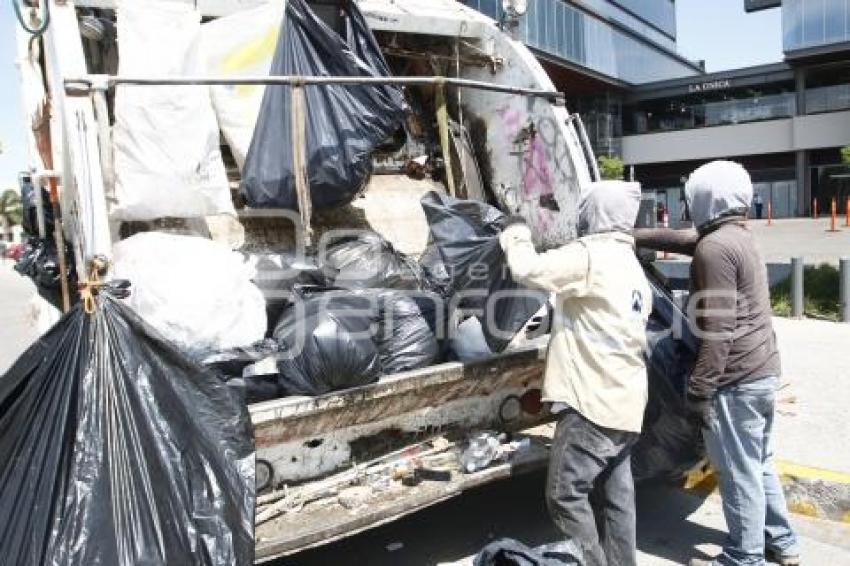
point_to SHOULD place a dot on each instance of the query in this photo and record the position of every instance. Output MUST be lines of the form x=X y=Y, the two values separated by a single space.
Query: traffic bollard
x=815 y=211
x=845 y=289
x=797 y=287
x=769 y=213
x=833 y=216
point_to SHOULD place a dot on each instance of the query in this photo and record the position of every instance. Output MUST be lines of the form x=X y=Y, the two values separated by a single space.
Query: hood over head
x=717 y=190
x=608 y=206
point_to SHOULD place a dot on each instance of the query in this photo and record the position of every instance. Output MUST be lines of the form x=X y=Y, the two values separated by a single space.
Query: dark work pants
x=590 y=491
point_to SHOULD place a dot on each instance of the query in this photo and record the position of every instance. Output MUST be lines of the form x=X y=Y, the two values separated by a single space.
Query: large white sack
x=238 y=45
x=196 y=292
x=167 y=157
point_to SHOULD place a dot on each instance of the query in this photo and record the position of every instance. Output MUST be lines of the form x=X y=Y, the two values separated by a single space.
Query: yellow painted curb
x=788 y=469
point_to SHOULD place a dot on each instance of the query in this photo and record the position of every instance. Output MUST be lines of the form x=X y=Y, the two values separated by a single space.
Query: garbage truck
x=116 y=93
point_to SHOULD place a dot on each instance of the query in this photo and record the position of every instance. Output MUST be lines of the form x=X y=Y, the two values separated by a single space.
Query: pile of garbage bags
x=360 y=309
x=117 y=449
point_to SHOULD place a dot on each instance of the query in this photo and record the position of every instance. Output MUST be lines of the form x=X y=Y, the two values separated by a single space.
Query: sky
x=717 y=31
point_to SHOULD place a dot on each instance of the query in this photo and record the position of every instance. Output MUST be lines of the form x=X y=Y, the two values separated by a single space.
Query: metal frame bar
x=85 y=84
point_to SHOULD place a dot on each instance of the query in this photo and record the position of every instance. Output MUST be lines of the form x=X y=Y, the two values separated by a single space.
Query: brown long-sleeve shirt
x=729 y=305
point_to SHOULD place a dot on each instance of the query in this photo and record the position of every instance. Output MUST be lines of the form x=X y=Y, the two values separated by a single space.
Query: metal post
x=845 y=289
x=797 y=287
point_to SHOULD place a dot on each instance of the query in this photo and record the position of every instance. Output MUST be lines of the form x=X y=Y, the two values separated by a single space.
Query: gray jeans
x=590 y=491
x=740 y=448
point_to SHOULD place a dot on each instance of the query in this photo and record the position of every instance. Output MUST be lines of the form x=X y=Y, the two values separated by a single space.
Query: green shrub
x=611 y=168
x=820 y=290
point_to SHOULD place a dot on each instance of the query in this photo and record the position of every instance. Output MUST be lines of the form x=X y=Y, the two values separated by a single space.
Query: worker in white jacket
x=595 y=372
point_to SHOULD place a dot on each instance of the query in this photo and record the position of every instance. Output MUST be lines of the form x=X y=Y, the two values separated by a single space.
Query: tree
x=11 y=212
x=611 y=168
x=845 y=155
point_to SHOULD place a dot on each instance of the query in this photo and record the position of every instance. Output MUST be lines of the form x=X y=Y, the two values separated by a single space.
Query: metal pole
x=797 y=287
x=845 y=289
x=82 y=85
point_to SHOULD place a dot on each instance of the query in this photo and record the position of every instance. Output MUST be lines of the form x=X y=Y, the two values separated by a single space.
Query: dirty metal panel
x=439 y=17
x=537 y=166
x=304 y=439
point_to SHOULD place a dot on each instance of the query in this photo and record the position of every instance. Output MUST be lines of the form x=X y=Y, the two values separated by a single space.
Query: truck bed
x=306 y=440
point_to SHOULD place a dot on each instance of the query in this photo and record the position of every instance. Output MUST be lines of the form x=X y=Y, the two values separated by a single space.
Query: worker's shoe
x=775 y=555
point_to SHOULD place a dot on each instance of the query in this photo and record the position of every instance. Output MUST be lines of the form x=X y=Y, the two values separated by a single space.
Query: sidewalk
x=15 y=315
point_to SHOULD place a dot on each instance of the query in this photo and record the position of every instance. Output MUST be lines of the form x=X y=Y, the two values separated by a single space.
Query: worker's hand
x=699 y=411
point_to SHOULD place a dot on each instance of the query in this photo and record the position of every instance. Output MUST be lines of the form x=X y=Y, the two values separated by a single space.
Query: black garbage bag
x=406 y=336
x=466 y=235
x=233 y=361
x=344 y=122
x=670 y=443
x=368 y=261
x=40 y=262
x=278 y=274
x=509 y=552
x=337 y=339
x=118 y=450
x=29 y=205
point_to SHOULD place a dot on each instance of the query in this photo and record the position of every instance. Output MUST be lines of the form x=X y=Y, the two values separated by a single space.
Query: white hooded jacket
x=595 y=363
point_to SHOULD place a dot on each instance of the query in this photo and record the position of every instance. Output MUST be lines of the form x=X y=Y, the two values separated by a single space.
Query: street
x=673 y=526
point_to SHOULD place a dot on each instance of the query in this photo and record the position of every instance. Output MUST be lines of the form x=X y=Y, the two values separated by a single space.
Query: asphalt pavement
x=673 y=526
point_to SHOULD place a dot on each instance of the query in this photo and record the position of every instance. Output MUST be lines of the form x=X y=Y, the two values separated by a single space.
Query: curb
x=812 y=492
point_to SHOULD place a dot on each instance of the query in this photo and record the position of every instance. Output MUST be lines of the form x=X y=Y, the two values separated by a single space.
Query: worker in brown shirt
x=731 y=390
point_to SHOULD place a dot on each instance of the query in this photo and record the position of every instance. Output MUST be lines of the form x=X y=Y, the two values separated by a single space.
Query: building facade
x=785 y=122
x=597 y=50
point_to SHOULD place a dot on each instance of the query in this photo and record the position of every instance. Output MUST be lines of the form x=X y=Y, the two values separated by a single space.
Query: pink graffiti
x=536 y=176
x=511 y=120
x=545 y=220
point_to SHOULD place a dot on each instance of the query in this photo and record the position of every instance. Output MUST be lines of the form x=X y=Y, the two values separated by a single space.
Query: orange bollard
x=815 y=214
x=770 y=213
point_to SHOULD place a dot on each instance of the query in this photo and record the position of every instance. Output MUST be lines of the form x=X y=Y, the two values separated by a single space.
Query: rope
x=88 y=290
x=45 y=20
x=92 y=286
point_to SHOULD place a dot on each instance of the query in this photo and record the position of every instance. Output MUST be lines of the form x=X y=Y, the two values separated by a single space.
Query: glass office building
x=629 y=41
x=809 y=24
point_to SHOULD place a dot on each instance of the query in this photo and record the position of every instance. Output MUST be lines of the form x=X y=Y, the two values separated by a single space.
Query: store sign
x=710 y=85
x=756 y=5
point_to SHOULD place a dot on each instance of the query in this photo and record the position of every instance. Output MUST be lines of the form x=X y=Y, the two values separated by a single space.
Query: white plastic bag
x=468 y=342
x=167 y=157
x=238 y=45
x=196 y=292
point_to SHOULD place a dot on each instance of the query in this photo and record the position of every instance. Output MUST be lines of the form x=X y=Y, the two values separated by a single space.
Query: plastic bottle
x=480 y=451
